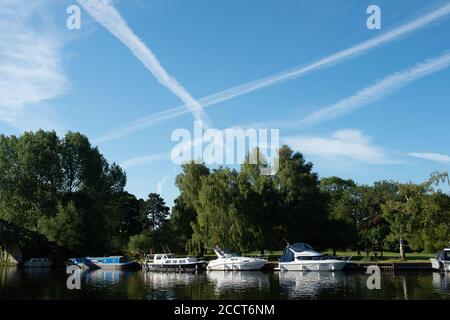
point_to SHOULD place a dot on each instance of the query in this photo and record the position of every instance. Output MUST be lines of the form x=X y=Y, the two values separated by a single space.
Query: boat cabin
x=444 y=255
x=108 y=260
x=300 y=251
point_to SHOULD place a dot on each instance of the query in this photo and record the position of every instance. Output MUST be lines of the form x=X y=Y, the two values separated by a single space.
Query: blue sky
x=374 y=112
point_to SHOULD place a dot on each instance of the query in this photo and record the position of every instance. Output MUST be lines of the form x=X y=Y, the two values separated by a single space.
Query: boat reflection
x=441 y=281
x=231 y=280
x=310 y=284
x=102 y=278
x=158 y=280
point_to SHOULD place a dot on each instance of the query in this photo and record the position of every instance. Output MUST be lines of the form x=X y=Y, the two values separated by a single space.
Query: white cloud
x=378 y=91
x=30 y=65
x=106 y=14
x=346 y=144
x=437 y=157
x=293 y=73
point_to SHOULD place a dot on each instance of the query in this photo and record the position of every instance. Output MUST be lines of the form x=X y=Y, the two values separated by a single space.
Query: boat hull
x=119 y=266
x=37 y=265
x=440 y=265
x=84 y=266
x=242 y=266
x=312 y=266
x=189 y=267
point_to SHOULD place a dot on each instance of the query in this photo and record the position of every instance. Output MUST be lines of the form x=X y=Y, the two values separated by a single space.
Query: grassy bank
x=388 y=257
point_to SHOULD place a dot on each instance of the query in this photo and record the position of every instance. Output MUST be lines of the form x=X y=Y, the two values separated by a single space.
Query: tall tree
x=302 y=203
x=219 y=221
x=184 y=213
x=340 y=227
x=155 y=212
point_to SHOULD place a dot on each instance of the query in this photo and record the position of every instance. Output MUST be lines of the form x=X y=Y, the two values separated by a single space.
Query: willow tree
x=184 y=212
x=258 y=204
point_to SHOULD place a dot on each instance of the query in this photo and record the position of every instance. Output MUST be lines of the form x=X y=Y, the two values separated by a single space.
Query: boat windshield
x=225 y=253
x=444 y=255
x=288 y=254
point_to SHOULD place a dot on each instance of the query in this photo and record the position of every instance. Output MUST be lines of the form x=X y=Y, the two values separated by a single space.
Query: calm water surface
x=51 y=284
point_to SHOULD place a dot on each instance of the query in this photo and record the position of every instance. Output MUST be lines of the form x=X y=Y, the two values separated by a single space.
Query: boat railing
x=260 y=256
x=336 y=258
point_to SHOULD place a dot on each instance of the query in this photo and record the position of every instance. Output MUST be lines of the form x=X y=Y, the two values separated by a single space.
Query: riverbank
x=384 y=266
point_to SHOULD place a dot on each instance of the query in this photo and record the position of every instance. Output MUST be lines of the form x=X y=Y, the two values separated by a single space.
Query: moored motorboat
x=442 y=260
x=38 y=263
x=302 y=257
x=112 y=262
x=168 y=262
x=232 y=262
x=82 y=263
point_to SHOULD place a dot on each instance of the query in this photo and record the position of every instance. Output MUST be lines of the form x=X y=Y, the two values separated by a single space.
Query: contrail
x=144 y=160
x=104 y=13
x=437 y=157
x=296 y=72
x=378 y=91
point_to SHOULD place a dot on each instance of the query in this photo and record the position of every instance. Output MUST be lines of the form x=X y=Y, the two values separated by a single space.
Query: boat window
x=309 y=258
x=447 y=255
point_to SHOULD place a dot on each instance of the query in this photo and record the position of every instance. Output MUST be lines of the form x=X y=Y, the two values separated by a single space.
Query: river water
x=51 y=284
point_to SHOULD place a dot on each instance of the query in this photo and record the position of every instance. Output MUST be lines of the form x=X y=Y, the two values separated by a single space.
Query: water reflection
x=157 y=280
x=232 y=280
x=309 y=284
x=102 y=278
x=104 y=284
x=441 y=281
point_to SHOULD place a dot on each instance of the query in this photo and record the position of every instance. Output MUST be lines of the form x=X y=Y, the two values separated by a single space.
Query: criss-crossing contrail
x=106 y=14
x=293 y=73
x=370 y=94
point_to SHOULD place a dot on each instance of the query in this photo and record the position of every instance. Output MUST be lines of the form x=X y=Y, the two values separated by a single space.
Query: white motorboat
x=442 y=260
x=228 y=261
x=302 y=257
x=38 y=263
x=168 y=262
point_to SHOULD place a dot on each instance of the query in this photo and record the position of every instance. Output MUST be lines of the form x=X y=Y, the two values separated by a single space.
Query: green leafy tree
x=44 y=180
x=184 y=213
x=302 y=204
x=139 y=244
x=407 y=214
x=340 y=228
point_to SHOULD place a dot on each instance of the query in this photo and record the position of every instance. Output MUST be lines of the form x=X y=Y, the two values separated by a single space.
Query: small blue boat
x=112 y=262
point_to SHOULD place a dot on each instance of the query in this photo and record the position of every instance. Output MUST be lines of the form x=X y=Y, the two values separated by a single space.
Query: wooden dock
x=384 y=266
x=391 y=266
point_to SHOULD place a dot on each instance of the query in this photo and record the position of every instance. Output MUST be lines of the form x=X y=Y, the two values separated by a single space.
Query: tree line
x=246 y=211
x=64 y=189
